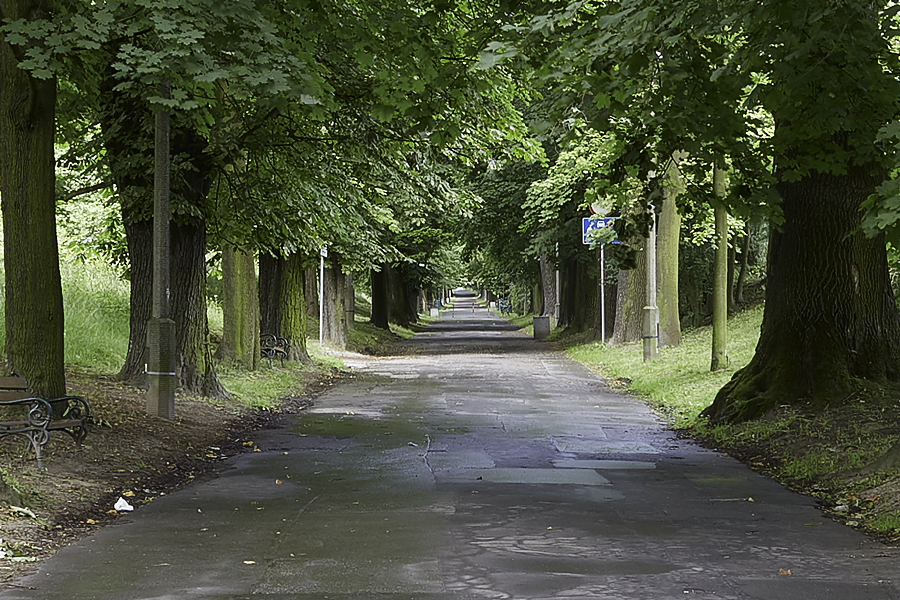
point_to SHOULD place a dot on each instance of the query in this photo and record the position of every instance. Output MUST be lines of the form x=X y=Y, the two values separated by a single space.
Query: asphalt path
x=479 y=465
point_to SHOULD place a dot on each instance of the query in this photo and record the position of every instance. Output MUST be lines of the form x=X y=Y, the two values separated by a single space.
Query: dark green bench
x=34 y=418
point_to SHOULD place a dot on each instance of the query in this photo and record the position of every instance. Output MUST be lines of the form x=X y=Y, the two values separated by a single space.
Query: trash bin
x=541 y=327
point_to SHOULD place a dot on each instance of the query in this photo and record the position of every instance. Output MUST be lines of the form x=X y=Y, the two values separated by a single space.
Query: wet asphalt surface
x=479 y=466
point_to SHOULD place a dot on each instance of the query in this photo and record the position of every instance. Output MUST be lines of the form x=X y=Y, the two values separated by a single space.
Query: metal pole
x=651 y=311
x=603 y=293
x=161 y=328
x=322 y=254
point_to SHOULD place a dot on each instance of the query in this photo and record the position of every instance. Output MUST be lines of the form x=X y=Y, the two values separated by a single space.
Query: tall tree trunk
x=830 y=315
x=548 y=283
x=668 y=236
x=335 y=326
x=579 y=294
x=194 y=365
x=282 y=302
x=311 y=289
x=240 y=309
x=139 y=237
x=380 y=301
x=270 y=269
x=34 y=306
x=350 y=301
x=631 y=295
x=293 y=307
x=398 y=297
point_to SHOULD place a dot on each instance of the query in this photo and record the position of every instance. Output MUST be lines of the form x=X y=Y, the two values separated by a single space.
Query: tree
x=33 y=308
x=668 y=235
x=819 y=71
x=282 y=304
x=240 y=309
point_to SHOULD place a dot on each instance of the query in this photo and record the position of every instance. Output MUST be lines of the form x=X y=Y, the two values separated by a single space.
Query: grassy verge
x=825 y=453
x=679 y=381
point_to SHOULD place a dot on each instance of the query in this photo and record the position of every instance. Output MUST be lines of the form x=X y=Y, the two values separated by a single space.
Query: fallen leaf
x=784 y=571
x=128 y=494
x=249 y=562
x=277 y=482
x=91 y=522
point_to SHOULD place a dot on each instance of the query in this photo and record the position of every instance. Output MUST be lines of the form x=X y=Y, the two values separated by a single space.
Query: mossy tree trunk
x=33 y=291
x=194 y=366
x=830 y=315
x=668 y=236
x=282 y=302
x=240 y=309
x=292 y=300
x=631 y=296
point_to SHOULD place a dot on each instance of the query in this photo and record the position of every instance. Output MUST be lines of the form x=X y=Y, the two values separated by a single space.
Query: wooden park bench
x=34 y=418
x=271 y=346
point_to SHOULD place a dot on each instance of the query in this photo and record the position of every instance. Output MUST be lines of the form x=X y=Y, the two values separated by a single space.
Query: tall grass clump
x=678 y=381
x=96 y=305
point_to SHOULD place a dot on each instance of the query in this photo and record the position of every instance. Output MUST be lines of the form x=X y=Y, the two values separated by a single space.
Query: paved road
x=480 y=466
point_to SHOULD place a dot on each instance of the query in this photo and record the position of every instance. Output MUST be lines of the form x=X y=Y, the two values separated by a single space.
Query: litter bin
x=541 y=327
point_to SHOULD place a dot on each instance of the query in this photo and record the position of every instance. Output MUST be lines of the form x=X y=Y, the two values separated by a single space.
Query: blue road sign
x=590 y=224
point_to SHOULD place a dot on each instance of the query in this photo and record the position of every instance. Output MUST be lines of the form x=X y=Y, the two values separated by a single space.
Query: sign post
x=323 y=254
x=588 y=226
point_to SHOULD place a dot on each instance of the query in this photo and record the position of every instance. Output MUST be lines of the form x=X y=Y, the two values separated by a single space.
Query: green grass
x=886 y=522
x=678 y=381
x=96 y=304
x=264 y=387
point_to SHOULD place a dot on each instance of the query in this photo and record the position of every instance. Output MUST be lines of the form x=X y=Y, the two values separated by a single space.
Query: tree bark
x=293 y=307
x=282 y=302
x=548 y=283
x=240 y=309
x=830 y=315
x=33 y=290
x=350 y=301
x=194 y=365
x=668 y=236
x=380 y=298
x=139 y=238
x=578 y=295
x=311 y=289
x=631 y=295
x=270 y=269
x=335 y=327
